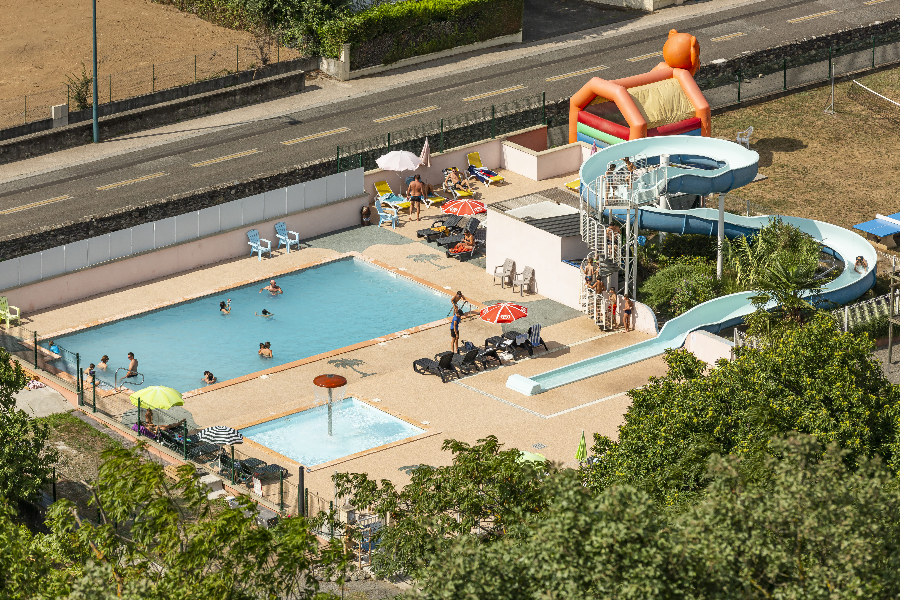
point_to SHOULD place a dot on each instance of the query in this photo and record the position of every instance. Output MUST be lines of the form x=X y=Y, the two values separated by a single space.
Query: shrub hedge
x=386 y=33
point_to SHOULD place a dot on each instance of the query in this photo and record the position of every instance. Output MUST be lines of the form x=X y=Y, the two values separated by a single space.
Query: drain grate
x=539 y=446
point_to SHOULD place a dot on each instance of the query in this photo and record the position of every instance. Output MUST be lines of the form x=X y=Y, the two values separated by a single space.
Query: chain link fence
x=146 y=79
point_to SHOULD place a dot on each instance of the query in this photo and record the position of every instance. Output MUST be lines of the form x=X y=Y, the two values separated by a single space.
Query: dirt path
x=42 y=41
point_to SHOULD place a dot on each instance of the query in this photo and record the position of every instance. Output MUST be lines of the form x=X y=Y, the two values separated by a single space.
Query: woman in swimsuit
x=104 y=360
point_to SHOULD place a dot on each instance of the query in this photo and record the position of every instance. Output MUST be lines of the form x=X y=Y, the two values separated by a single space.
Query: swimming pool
x=356 y=426
x=323 y=308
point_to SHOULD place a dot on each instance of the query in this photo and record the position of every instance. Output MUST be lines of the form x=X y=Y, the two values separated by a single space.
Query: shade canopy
x=157 y=396
x=220 y=435
x=425 y=157
x=581 y=453
x=330 y=381
x=463 y=207
x=399 y=160
x=531 y=457
x=504 y=312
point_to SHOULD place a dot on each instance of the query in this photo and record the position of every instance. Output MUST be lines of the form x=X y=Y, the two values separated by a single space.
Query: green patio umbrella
x=157 y=396
x=581 y=453
x=531 y=457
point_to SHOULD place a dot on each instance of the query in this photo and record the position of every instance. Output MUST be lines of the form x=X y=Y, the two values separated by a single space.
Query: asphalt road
x=95 y=188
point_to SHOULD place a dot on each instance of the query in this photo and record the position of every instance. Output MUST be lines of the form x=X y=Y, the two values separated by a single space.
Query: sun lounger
x=465 y=363
x=575 y=186
x=384 y=193
x=534 y=339
x=452 y=240
x=443 y=367
x=480 y=239
x=440 y=228
x=476 y=168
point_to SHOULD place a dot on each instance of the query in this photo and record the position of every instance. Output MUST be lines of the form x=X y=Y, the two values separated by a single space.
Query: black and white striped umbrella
x=220 y=435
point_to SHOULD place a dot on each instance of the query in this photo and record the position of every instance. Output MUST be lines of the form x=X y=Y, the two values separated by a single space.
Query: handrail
x=116 y=377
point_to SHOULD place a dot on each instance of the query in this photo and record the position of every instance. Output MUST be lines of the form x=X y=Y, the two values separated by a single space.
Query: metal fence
x=146 y=79
x=749 y=81
x=450 y=132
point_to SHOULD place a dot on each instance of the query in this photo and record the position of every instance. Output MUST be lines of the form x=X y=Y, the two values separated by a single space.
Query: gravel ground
x=364 y=590
x=892 y=370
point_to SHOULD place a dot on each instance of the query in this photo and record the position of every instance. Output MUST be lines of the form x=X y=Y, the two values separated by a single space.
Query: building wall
x=708 y=347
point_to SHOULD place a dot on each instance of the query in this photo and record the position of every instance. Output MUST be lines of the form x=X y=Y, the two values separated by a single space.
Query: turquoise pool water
x=356 y=426
x=322 y=308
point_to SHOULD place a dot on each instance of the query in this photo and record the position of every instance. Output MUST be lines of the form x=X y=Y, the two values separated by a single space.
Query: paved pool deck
x=381 y=373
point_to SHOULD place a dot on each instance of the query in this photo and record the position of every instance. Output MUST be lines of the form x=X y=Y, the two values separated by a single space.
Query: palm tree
x=788 y=285
x=349 y=363
x=427 y=258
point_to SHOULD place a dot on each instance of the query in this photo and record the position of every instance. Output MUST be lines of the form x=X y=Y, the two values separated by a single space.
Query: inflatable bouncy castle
x=664 y=101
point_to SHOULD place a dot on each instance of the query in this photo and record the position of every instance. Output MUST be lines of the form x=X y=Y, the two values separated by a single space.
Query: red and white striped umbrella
x=463 y=207
x=503 y=312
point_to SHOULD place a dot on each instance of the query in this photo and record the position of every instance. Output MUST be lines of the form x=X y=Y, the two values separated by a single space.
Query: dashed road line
x=644 y=56
x=494 y=93
x=315 y=136
x=406 y=114
x=130 y=181
x=815 y=16
x=870 y=2
x=33 y=205
x=576 y=73
x=730 y=36
x=224 y=158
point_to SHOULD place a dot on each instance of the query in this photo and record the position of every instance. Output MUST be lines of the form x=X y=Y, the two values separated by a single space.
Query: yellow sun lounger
x=483 y=174
x=384 y=193
x=575 y=186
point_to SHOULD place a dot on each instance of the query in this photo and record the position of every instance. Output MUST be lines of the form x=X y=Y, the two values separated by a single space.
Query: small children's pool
x=356 y=426
x=323 y=308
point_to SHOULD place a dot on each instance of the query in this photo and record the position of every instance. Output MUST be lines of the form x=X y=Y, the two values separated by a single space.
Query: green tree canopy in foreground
x=159 y=540
x=814 y=380
x=814 y=529
x=26 y=462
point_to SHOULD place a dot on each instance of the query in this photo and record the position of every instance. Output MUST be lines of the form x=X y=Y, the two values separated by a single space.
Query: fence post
x=442 y=135
x=139 y=417
x=94 y=398
x=492 y=122
x=68 y=91
x=184 y=440
x=873 y=51
x=544 y=107
x=389 y=142
x=331 y=519
x=281 y=491
x=54 y=484
x=79 y=386
x=785 y=74
x=232 y=464
x=35 y=350
x=846 y=318
x=237 y=62
x=305 y=502
x=829 y=62
x=337 y=160
x=195 y=68
x=740 y=80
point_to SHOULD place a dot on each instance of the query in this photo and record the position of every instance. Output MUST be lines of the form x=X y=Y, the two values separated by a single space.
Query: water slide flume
x=718 y=313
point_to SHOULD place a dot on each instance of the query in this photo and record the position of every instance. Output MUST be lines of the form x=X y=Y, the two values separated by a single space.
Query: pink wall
x=708 y=347
x=179 y=258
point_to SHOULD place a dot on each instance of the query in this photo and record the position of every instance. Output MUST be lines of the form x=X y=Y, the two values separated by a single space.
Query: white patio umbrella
x=425 y=157
x=399 y=161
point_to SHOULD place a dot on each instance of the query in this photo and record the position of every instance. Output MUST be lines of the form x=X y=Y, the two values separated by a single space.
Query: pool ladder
x=116 y=377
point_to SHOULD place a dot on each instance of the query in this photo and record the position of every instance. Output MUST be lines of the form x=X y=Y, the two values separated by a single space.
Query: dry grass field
x=841 y=168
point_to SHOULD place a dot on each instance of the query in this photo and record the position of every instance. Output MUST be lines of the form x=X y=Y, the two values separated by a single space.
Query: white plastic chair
x=743 y=137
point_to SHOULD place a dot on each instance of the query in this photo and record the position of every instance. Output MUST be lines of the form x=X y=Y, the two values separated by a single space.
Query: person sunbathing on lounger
x=467 y=245
x=455 y=179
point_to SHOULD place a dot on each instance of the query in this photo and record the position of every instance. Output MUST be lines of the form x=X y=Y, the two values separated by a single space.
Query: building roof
x=554 y=210
x=560 y=226
x=881 y=226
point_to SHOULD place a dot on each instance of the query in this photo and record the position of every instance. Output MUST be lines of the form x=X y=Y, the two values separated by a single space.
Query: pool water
x=356 y=426
x=323 y=308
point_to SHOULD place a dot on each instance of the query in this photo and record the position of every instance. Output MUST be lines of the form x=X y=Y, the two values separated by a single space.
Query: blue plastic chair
x=384 y=216
x=281 y=232
x=256 y=244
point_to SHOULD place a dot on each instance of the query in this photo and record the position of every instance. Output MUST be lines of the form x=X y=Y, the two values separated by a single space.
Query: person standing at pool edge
x=454 y=331
x=272 y=288
x=132 y=365
x=455 y=299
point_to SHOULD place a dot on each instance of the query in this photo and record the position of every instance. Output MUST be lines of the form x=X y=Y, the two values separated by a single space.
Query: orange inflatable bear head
x=682 y=51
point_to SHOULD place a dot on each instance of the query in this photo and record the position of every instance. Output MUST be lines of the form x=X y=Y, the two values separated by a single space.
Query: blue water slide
x=718 y=313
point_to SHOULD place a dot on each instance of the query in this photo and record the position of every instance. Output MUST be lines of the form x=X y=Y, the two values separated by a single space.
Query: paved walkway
x=324 y=91
x=41 y=402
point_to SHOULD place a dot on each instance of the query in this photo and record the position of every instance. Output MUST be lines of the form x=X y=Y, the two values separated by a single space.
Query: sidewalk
x=323 y=90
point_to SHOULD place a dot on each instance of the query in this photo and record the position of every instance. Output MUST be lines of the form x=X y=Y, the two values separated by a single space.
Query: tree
x=814 y=380
x=480 y=496
x=156 y=539
x=26 y=462
x=814 y=528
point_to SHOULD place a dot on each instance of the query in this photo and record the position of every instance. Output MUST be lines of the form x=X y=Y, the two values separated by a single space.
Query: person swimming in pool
x=208 y=377
x=104 y=362
x=265 y=313
x=225 y=307
x=265 y=350
x=272 y=288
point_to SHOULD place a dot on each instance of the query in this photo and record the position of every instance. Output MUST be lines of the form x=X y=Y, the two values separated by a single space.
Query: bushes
x=387 y=33
x=680 y=286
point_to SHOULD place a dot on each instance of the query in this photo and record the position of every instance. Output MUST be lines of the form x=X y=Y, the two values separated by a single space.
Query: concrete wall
x=535 y=139
x=509 y=237
x=79 y=134
x=178 y=258
x=708 y=347
x=648 y=5
x=545 y=164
